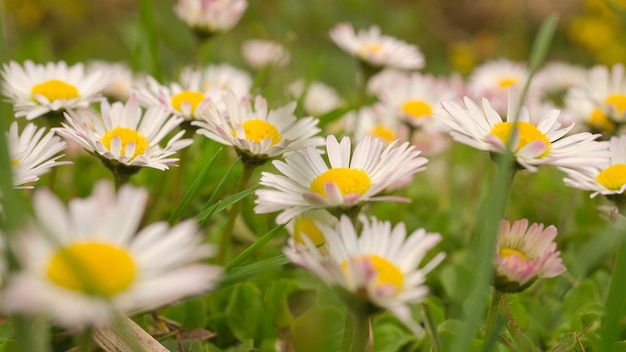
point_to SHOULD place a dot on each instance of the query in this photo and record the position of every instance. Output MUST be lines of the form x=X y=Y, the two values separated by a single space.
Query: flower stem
x=120 y=179
x=492 y=315
x=233 y=212
x=356 y=332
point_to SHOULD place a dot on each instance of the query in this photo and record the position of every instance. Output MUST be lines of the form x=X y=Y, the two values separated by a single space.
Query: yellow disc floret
x=257 y=130
x=387 y=272
x=613 y=177
x=126 y=135
x=187 y=96
x=348 y=180
x=618 y=102
x=383 y=133
x=54 y=89
x=506 y=82
x=600 y=121
x=369 y=49
x=417 y=108
x=306 y=227
x=92 y=268
x=509 y=252
x=527 y=133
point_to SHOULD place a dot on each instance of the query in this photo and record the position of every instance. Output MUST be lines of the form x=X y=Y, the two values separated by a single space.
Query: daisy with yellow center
x=210 y=17
x=36 y=89
x=352 y=179
x=33 y=153
x=377 y=121
x=376 y=49
x=125 y=136
x=525 y=254
x=543 y=143
x=378 y=265
x=493 y=79
x=256 y=132
x=84 y=263
x=304 y=228
x=217 y=78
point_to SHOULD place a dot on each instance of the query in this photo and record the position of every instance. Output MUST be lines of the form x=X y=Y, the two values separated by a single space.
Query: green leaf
x=243 y=273
x=318 y=329
x=390 y=338
x=456 y=281
x=223 y=204
x=247 y=316
x=190 y=313
x=276 y=298
x=253 y=248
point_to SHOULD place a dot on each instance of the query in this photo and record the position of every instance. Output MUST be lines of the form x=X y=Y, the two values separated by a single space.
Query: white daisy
x=543 y=143
x=492 y=81
x=125 y=136
x=212 y=16
x=378 y=265
x=556 y=77
x=222 y=77
x=376 y=49
x=84 y=263
x=353 y=178
x=256 y=132
x=36 y=90
x=608 y=178
x=306 y=225
x=377 y=121
x=317 y=98
x=260 y=53
x=33 y=153
x=121 y=78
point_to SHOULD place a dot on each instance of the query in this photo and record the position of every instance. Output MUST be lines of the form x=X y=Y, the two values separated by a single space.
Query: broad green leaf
x=318 y=329
x=390 y=338
x=247 y=316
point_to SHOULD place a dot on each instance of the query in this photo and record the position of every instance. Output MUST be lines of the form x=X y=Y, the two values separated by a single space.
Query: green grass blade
x=223 y=204
x=149 y=34
x=614 y=305
x=253 y=248
x=193 y=189
x=243 y=273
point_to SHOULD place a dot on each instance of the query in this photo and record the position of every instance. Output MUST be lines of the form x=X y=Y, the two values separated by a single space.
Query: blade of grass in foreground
x=223 y=204
x=253 y=248
x=614 y=305
x=494 y=210
x=242 y=273
x=217 y=190
x=149 y=35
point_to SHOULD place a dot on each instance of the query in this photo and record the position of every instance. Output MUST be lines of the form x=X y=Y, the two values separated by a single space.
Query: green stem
x=85 y=341
x=357 y=330
x=492 y=315
x=522 y=342
x=431 y=328
x=614 y=304
x=120 y=179
x=233 y=212
x=31 y=334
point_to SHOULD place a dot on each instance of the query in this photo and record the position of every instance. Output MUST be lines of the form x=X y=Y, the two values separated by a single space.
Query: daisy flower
x=125 y=137
x=600 y=102
x=375 y=49
x=377 y=121
x=525 y=254
x=121 y=78
x=255 y=132
x=378 y=266
x=306 y=226
x=260 y=53
x=543 y=143
x=492 y=81
x=36 y=90
x=352 y=180
x=33 y=153
x=609 y=178
x=207 y=17
x=222 y=77
x=317 y=97
x=84 y=263
x=555 y=78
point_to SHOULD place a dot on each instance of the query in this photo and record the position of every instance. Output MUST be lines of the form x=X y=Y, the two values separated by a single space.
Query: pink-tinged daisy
x=375 y=49
x=125 y=137
x=222 y=77
x=317 y=98
x=33 y=153
x=260 y=53
x=525 y=254
x=257 y=133
x=492 y=81
x=543 y=143
x=600 y=102
x=83 y=263
x=608 y=178
x=352 y=180
x=207 y=17
x=377 y=267
x=36 y=90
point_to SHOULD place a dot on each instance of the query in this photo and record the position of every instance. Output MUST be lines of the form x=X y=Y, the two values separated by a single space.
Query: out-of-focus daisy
x=222 y=77
x=207 y=17
x=492 y=81
x=543 y=143
x=36 y=90
x=375 y=49
x=33 y=153
x=377 y=121
x=609 y=178
x=352 y=180
x=306 y=226
x=377 y=267
x=260 y=53
x=600 y=102
x=525 y=254
x=258 y=134
x=317 y=97
x=555 y=78
x=120 y=75
x=125 y=138
x=83 y=263
x=185 y=100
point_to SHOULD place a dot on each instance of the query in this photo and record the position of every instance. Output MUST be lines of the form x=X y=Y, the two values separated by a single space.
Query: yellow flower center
x=257 y=130
x=187 y=96
x=506 y=82
x=613 y=177
x=15 y=162
x=527 y=133
x=417 y=108
x=600 y=121
x=306 y=227
x=383 y=133
x=54 y=89
x=126 y=135
x=388 y=273
x=93 y=268
x=368 y=49
x=348 y=180
x=618 y=101
x=508 y=252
